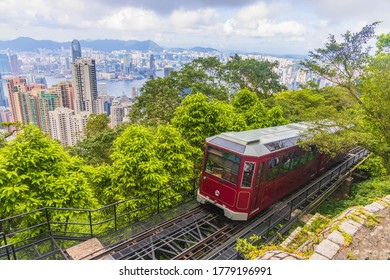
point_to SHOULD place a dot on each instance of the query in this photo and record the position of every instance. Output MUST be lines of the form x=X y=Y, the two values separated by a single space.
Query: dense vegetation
x=163 y=143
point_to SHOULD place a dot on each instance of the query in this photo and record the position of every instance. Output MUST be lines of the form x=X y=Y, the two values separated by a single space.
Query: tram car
x=246 y=172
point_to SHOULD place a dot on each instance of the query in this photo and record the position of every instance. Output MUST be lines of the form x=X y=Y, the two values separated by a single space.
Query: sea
x=115 y=88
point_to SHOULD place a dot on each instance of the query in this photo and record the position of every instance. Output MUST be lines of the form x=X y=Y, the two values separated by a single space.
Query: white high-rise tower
x=85 y=85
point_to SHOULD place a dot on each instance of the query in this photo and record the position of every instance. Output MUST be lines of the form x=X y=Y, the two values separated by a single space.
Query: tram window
x=223 y=164
x=258 y=176
x=273 y=168
x=312 y=153
x=297 y=158
x=285 y=164
x=249 y=168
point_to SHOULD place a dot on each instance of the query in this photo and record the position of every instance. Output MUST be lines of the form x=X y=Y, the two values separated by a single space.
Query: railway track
x=204 y=233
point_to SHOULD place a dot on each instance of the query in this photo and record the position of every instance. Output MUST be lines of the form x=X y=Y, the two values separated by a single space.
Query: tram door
x=258 y=187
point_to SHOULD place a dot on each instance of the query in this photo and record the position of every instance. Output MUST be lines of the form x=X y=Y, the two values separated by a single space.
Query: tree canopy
x=349 y=65
x=36 y=172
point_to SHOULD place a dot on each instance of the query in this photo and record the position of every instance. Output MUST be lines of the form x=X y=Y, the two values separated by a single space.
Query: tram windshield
x=223 y=164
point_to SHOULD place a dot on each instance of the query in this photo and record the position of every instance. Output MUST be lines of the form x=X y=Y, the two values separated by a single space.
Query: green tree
x=96 y=148
x=36 y=172
x=257 y=76
x=176 y=154
x=247 y=104
x=300 y=105
x=375 y=88
x=198 y=118
x=136 y=168
x=349 y=65
x=157 y=103
x=96 y=123
x=383 y=43
x=343 y=63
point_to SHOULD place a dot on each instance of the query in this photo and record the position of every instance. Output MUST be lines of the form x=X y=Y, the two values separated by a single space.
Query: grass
x=361 y=194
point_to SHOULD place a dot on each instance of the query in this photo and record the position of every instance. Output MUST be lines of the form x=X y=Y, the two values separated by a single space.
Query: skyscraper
x=4 y=63
x=152 y=66
x=13 y=59
x=62 y=126
x=65 y=92
x=3 y=99
x=85 y=85
x=14 y=86
x=75 y=50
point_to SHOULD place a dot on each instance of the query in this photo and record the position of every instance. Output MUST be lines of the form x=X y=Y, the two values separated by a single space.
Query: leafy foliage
x=96 y=124
x=197 y=119
x=35 y=172
x=160 y=97
x=343 y=63
x=257 y=76
x=349 y=65
x=361 y=194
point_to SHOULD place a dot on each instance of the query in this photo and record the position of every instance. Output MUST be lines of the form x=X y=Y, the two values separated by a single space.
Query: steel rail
x=150 y=232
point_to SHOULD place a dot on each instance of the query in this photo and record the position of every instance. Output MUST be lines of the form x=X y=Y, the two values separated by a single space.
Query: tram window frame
x=259 y=174
x=221 y=171
x=251 y=171
x=273 y=168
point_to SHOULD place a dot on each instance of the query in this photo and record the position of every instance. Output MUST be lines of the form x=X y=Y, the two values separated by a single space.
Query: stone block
x=268 y=255
x=349 y=228
x=373 y=207
x=85 y=250
x=387 y=198
x=281 y=255
x=327 y=248
x=316 y=256
x=336 y=237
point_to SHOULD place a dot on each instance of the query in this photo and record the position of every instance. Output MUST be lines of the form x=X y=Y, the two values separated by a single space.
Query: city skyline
x=279 y=26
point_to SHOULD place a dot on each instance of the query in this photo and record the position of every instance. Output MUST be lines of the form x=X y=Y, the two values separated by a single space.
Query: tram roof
x=259 y=142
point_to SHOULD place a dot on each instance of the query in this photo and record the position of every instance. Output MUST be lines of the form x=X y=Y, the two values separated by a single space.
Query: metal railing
x=81 y=224
x=9 y=249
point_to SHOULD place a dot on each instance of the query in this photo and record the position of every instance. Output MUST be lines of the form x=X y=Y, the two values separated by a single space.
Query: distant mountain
x=113 y=45
x=201 y=49
x=30 y=45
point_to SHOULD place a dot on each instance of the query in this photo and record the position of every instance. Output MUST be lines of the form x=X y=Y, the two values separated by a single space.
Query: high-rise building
x=40 y=80
x=85 y=85
x=47 y=101
x=4 y=63
x=117 y=115
x=66 y=126
x=14 y=86
x=152 y=66
x=5 y=115
x=3 y=99
x=62 y=126
x=65 y=91
x=75 y=50
x=14 y=63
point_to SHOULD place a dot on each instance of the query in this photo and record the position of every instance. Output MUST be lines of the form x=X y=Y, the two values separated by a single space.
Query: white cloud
x=193 y=18
x=131 y=19
x=260 y=20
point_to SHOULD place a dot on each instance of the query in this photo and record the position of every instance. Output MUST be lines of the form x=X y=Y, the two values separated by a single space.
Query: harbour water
x=114 y=88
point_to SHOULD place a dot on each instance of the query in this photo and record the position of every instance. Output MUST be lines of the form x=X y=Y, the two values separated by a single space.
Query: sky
x=265 y=26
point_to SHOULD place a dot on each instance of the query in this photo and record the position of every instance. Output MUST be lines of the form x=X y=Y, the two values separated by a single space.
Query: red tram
x=245 y=172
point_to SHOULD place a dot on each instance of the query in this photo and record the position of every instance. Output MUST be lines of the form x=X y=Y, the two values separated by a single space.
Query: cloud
x=260 y=20
x=131 y=19
x=193 y=18
x=167 y=7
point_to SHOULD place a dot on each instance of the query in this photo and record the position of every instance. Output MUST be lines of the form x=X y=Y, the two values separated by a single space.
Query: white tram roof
x=259 y=142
